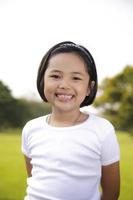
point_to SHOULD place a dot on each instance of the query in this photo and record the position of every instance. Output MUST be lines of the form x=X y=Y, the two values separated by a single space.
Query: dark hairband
x=80 y=48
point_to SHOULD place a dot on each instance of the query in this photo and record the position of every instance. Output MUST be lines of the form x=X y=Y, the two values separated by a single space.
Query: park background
x=28 y=29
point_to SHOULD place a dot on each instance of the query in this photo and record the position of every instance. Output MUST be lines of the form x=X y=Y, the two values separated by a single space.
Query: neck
x=66 y=119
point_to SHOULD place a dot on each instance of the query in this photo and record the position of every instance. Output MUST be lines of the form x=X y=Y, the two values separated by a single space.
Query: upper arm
x=110 y=181
x=25 y=148
x=28 y=165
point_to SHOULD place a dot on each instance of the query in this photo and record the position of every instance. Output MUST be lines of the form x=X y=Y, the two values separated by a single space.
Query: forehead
x=67 y=61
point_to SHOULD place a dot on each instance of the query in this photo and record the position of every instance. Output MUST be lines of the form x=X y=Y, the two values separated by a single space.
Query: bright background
x=28 y=28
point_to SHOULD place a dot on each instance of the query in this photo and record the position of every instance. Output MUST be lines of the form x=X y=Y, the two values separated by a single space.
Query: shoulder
x=101 y=126
x=35 y=123
x=101 y=122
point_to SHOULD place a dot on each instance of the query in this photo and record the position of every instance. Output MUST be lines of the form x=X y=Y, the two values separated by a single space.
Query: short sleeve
x=110 y=149
x=24 y=145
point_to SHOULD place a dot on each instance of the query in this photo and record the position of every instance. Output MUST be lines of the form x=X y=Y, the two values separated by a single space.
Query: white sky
x=28 y=28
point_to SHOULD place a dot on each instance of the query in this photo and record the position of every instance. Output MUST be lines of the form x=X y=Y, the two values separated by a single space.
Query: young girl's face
x=66 y=81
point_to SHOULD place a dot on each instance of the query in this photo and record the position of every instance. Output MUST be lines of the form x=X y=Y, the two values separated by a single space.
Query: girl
x=69 y=153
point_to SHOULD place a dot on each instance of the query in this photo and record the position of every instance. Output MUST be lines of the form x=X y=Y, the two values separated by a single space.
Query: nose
x=64 y=84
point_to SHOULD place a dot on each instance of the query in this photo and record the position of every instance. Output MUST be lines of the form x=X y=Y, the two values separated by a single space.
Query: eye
x=76 y=78
x=55 y=76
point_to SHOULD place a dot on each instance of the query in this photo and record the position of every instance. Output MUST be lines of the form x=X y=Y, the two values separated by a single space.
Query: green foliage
x=6 y=104
x=116 y=99
x=5 y=94
x=32 y=109
x=13 y=172
x=16 y=112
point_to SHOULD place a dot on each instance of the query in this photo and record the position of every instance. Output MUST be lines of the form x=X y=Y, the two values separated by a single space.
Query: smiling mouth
x=64 y=97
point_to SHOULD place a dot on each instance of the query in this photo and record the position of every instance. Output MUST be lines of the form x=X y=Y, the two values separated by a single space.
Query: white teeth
x=64 y=97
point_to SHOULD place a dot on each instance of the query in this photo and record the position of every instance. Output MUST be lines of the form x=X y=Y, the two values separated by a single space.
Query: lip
x=64 y=97
x=63 y=93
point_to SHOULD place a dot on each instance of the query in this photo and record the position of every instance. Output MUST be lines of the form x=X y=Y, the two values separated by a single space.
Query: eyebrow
x=54 y=70
x=78 y=73
x=58 y=71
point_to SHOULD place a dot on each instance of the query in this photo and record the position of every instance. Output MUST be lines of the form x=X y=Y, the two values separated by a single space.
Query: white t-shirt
x=67 y=160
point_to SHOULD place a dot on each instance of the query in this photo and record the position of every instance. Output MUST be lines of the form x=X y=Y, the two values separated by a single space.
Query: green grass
x=126 y=147
x=13 y=173
x=12 y=169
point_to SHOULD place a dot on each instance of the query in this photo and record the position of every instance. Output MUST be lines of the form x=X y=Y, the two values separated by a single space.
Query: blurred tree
x=6 y=100
x=5 y=94
x=116 y=99
x=16 y=112
x=29 y=109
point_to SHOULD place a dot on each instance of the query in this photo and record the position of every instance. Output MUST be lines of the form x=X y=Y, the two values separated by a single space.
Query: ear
x=91 y=86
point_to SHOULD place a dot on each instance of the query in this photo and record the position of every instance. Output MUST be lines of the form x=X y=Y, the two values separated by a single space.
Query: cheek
x=49 y=88
x=83 y=92
x=85 y=89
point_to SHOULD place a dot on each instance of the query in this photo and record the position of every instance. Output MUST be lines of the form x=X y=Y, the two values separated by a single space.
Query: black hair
x=69 y=47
